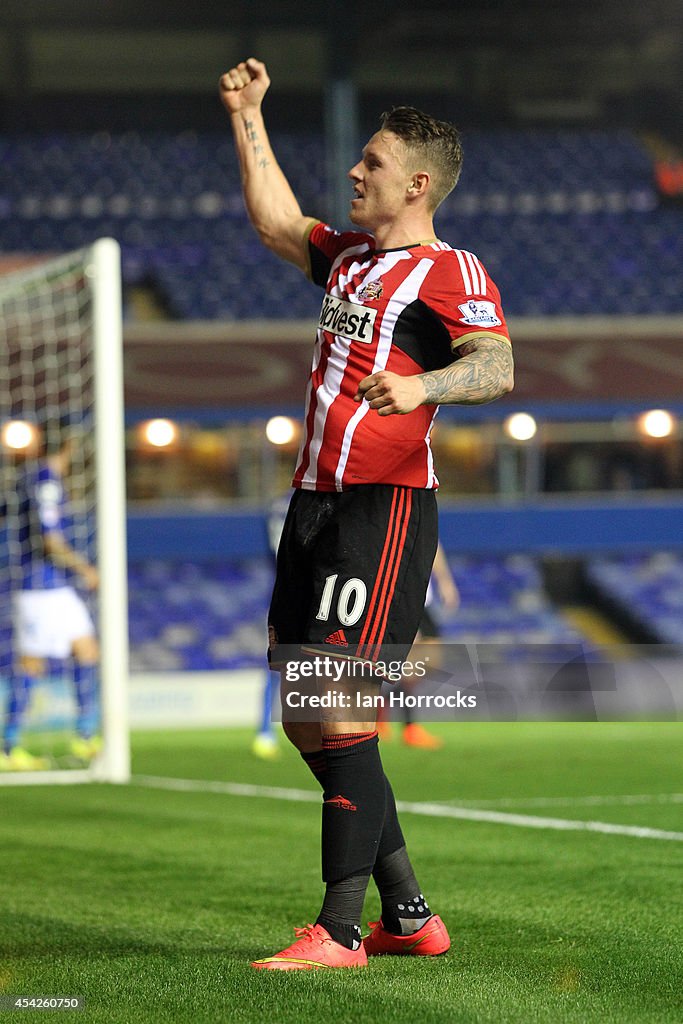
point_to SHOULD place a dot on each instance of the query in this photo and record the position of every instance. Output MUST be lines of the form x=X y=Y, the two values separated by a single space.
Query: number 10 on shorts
x=350 y=602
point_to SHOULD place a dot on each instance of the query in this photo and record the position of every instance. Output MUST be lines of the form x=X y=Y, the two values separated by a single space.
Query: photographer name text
x=346 y=701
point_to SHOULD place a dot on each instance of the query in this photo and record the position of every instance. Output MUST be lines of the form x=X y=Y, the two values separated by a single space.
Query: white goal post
x=61 y=361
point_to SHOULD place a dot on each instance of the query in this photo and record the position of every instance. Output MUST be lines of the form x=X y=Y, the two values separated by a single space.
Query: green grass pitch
x=149 y=904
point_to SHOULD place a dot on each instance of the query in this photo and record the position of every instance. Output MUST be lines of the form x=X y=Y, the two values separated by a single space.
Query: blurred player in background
x=426 y=647
x=265 y=743
x=50 y=619
x=407 y=323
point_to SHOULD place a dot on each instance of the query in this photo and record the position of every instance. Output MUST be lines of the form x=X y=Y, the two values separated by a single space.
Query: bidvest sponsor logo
x=347 y=319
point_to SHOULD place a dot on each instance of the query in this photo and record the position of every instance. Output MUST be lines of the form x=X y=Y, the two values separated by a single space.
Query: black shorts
x=352 y=571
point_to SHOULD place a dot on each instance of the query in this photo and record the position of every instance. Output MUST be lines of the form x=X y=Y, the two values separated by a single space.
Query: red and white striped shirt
x=404 y=310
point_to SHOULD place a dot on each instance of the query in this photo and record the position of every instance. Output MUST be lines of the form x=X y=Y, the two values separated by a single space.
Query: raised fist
x=244 y=85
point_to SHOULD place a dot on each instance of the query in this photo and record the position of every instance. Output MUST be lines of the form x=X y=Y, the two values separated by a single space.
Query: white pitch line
x=532 y=821
x=229 y=788
x=624 y=800
x=426 y=810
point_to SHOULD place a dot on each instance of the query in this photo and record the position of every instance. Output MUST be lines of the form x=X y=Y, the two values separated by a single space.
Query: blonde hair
x=437 y=143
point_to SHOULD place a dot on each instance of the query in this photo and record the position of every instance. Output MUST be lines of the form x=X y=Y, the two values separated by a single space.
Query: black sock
x=392 y=836
x=354 y=803
x=394 y=877
x=317 y=762
x=342 y=909
x=404 y=908
x=353 y=813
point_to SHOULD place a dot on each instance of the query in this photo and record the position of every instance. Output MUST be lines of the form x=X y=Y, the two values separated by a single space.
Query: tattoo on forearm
x=257 y=148
x=483 y=373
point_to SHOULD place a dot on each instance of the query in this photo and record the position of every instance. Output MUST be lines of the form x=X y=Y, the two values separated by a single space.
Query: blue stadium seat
x=212 y=616
x=567 y=222
x=646 y=587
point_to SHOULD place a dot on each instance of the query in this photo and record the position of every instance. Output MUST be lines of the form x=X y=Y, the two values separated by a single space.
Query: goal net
x=64 y=665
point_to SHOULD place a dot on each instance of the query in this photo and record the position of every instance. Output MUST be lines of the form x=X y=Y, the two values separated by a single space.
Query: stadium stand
x=503 y=602
x=196 y=616
x=201 y=616
x=646 y=589
x=541 y=208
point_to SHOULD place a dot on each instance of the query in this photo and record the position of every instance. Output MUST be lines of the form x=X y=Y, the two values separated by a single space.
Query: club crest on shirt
x=479 y=314
x=371 y=291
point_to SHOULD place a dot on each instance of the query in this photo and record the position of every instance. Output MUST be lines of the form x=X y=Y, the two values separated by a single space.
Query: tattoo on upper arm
x=482 y=373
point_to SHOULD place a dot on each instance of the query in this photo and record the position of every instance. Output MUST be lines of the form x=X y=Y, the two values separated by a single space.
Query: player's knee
x=305 y=736
x=32 y=666
x=86 y=650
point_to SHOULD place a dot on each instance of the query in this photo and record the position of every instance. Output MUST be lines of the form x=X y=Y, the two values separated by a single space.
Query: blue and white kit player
x=51 y=621
x=265 y=743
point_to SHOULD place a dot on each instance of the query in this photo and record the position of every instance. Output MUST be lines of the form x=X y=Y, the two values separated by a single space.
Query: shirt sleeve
x=464 y=298
x=324 y=245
